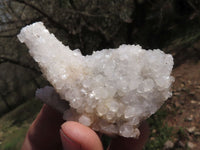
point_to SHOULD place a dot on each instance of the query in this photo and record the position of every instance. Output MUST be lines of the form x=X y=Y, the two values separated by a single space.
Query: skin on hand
x=50 y=132
x=43 y=134
x=84 y=137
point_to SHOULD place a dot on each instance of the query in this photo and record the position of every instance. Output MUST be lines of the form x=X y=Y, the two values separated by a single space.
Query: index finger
x=44 y=131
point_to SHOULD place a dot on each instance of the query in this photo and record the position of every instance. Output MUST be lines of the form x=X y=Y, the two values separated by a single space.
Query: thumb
x=75 y=136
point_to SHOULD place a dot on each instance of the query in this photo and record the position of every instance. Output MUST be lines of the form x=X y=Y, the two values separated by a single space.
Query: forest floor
x=184 y=107
x=175 y=126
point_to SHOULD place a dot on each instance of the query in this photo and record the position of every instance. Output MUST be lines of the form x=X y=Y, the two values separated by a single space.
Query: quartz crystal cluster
x=112 y=90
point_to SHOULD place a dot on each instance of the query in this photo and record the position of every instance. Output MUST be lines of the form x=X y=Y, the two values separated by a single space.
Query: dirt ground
x=184 y=106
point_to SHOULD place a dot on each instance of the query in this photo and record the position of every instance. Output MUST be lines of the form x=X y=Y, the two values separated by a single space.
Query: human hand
x=50 y=132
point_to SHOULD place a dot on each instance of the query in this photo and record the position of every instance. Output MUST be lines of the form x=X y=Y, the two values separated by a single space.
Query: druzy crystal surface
x=112 y=90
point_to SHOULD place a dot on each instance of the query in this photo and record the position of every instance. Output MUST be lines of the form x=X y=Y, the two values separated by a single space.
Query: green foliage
x=105 y=141
x=160 y=132
x=14 y=140
x=14 y=125
x=181 y=134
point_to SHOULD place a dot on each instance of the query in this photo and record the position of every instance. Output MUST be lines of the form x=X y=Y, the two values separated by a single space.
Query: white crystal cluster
x=112 y=90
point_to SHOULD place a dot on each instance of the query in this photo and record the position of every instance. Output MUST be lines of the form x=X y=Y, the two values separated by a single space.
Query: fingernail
x=68 y=144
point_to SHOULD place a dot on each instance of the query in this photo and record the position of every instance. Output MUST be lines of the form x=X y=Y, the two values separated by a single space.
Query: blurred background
x=170 y=25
